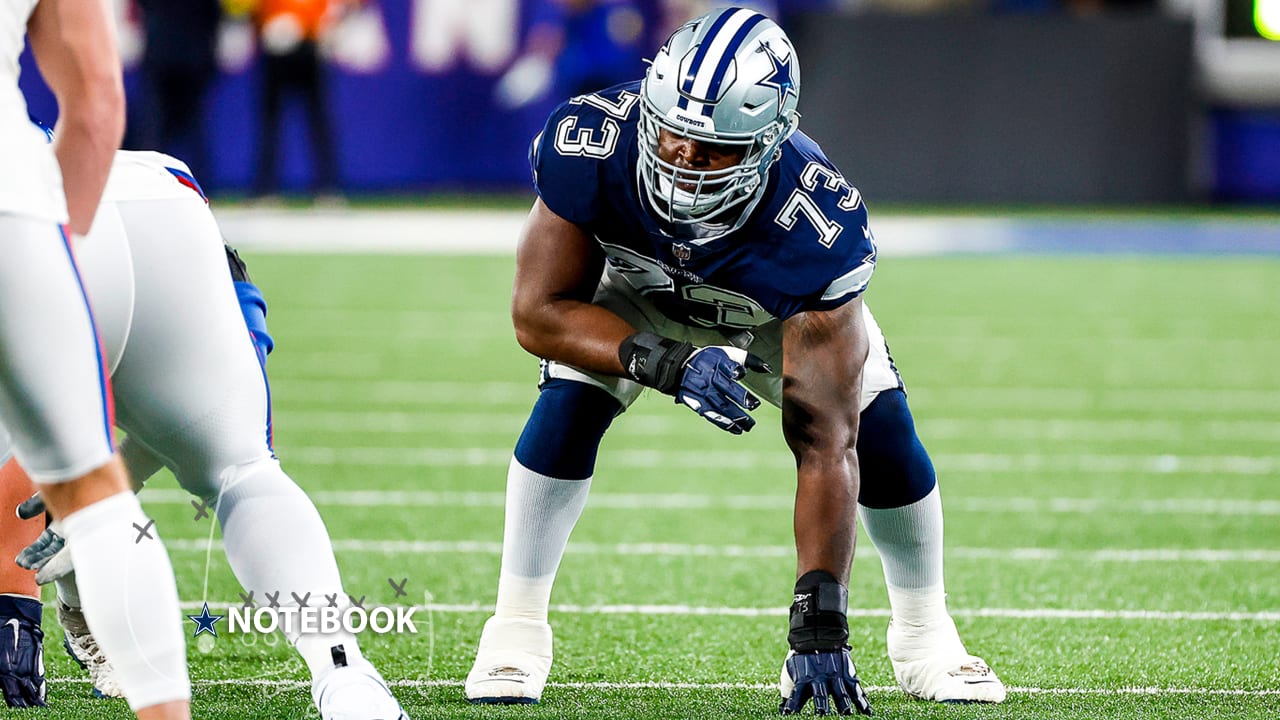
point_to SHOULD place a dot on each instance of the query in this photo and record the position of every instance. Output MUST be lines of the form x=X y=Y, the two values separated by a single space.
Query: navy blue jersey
x=806 y=245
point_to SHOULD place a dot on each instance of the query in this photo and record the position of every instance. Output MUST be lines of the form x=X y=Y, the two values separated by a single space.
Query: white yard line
x=750 y=459
x=478 y=547
x=361 y=231
x=697 y=501
x=1145 y=400
x=704 y=611
x=656 y=685
x=432 y=423
x=493 y=231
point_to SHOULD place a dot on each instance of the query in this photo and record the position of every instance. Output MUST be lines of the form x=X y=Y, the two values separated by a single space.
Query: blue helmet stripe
x=686 y=86
x=723 y=68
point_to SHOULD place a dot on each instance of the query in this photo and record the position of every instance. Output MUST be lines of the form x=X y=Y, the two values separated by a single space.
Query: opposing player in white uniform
x=54 y=393
x=192 y=395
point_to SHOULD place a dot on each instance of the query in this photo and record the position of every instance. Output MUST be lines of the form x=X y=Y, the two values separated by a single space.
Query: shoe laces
x=77 y=629
x=973 y=667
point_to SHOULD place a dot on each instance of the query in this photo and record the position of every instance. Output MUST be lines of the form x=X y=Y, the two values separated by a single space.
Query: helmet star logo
x=780 y=79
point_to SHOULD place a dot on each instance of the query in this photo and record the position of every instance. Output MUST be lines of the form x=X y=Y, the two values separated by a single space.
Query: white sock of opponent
x=909 y=541
x=130 y=598
x=541 y=512
x=278 y=547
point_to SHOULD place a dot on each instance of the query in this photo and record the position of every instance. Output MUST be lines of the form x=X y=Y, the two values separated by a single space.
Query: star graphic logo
x=780 y=79
x=205 y=622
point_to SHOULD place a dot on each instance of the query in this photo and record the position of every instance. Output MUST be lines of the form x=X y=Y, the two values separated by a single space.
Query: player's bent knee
x=895 y=467
x=261 y=476
x=564 y=430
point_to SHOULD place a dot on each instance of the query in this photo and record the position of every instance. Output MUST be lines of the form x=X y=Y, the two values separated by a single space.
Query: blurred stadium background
x=1076 y=203
x=921 y=101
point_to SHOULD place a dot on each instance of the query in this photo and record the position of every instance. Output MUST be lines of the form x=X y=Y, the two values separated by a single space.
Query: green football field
x=1105 y=431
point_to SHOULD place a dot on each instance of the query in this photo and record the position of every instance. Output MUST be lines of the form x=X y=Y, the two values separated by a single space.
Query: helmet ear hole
x=729 y=78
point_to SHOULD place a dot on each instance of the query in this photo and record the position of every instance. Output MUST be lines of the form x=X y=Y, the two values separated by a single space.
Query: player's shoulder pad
x=581 y=137
x=819 y=222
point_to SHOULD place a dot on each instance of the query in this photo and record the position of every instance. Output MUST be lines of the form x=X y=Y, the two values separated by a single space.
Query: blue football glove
x=705 y=379
x=21 y=652
x=819 y=666
x=826 y=678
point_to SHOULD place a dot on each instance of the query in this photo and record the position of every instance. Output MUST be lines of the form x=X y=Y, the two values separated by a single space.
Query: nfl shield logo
x=681 y=251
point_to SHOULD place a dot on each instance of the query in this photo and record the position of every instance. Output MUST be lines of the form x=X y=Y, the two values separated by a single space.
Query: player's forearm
x=86 y=141
x=826 y=515
x=576 y=333
x=821 y=428
x=74 y=44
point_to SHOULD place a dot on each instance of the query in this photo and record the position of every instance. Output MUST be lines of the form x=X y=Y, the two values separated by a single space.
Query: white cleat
x=931 y=663
x=82 y=648
x=512 y=664
x=355 y=692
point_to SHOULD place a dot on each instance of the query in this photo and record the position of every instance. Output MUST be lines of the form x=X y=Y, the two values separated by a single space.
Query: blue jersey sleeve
x=565 y=176
x=822 y=222
x=853 y=266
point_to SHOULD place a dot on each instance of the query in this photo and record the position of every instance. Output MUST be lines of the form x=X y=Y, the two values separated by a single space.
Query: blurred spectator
x=1095 y=6
x=289 y=33
x=179 y=64
x=575 y=47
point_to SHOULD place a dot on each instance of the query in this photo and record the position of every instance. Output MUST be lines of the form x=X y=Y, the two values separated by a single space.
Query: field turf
x=1105 y=430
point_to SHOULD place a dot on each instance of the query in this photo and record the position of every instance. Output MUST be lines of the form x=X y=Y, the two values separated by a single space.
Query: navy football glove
x=826 y=678
x=819 y=666
x=707 y=379
x=21 y=652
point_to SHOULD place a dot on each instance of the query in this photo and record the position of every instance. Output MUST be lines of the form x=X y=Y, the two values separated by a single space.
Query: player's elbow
x=527 y=340
x=529 y=320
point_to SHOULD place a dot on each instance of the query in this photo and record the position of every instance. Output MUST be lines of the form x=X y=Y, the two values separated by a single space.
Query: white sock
x=276 y=543
x=130 y=598
x=541 y=512
x=909 y=541
x=68 y=591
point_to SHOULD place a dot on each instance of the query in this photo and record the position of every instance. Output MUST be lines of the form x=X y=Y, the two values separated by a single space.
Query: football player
x=54 y=393
x=687 y=238
x=188 y=361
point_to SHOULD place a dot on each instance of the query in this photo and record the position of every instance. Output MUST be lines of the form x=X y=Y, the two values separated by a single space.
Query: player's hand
x=827 y=678
x=818 y=667
x=47 y=555
x=32 y=507
x=711 y=386
x=706 y=379
x=21 y=652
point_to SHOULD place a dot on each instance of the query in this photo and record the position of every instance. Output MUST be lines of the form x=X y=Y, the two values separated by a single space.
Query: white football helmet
x=727 y=78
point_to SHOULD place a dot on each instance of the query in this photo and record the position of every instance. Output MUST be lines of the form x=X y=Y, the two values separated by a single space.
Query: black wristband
x=818 y=614
x=655 y=361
